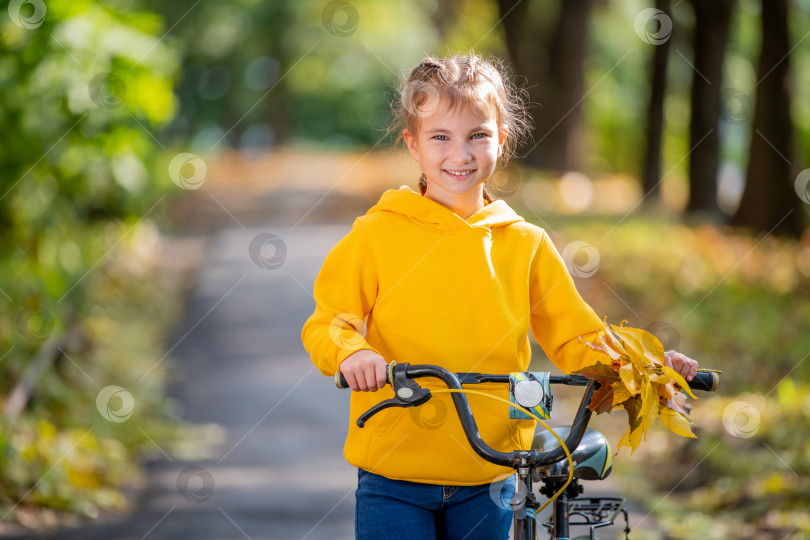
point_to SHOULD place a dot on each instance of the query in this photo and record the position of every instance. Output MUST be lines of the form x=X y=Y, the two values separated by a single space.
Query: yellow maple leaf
x=676 y=422
x=620 y=394
x=649 y=408
x=628 y=378
x=680 y=380
x=642 y=346
x=631 y=439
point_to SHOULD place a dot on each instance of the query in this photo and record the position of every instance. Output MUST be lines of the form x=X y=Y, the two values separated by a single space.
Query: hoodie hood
x=433 y=215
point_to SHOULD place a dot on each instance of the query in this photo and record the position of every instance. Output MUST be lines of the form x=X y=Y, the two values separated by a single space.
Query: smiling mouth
x=460 y=174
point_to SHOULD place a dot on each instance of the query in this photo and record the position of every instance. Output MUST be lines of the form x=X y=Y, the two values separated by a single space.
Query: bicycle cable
x=537 y=419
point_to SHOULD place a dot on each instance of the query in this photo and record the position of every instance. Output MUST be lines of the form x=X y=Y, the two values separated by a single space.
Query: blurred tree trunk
x=279 y=103
x=554 y=71
x=712 y=19
x=446 y=16
x=769 y=201
x=651 y=172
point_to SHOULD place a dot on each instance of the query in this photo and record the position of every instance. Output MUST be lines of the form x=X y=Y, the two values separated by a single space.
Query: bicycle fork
x=524 y=506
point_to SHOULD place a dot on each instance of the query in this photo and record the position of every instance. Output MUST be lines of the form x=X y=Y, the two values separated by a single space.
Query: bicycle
x=546 y=460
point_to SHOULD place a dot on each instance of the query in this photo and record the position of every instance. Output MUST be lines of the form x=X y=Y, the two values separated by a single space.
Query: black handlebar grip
x=708 y=381
x=340 y=381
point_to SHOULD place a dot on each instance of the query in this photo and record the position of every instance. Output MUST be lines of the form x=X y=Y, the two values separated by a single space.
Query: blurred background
x=151 y=153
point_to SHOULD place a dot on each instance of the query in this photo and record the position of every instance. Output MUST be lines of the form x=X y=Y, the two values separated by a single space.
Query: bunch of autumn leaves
x=633 y=376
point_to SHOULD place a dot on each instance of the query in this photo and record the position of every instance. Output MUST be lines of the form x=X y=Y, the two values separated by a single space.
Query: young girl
x=445 y=276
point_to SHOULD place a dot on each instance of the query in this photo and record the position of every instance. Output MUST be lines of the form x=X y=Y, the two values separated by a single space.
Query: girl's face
x=457 y=149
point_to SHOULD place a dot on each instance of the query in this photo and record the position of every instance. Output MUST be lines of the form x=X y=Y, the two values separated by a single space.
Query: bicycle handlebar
x=706 y=381
x=408 y=393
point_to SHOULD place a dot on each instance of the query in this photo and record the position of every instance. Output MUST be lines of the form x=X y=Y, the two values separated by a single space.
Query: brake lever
x=407 y=394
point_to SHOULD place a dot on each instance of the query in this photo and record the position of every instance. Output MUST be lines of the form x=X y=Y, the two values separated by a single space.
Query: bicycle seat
x=592 y=458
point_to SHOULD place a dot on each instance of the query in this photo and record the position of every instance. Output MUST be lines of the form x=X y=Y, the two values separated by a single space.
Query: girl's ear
x=410 y=140
x=502 y=133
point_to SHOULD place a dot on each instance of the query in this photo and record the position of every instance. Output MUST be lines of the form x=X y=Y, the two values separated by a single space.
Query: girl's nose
x=462 y=152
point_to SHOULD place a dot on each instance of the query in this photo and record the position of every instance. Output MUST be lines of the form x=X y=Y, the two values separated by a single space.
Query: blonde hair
x=483 y=84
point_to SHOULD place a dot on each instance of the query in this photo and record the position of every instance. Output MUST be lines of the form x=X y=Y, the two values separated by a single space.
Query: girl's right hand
x=364 y=370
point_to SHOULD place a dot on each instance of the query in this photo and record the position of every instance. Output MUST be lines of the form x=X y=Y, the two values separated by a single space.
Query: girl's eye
x=444 y=137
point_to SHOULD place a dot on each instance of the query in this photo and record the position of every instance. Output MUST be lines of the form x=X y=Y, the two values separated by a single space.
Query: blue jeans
x=399 y=509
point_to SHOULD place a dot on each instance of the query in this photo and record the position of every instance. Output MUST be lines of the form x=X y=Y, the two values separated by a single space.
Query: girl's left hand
x=685 y=366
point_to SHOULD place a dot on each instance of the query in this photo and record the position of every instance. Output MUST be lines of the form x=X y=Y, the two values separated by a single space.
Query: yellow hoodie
x=437 y=289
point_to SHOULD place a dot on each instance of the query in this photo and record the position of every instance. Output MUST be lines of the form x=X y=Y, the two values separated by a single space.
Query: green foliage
x=310 y=72
x=63 y=453
x=74 y=95
x=81 y=91
x=75 y=90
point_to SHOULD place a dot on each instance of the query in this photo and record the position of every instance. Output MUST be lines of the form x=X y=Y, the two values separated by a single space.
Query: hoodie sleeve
x=345 y=291
x=559 y=315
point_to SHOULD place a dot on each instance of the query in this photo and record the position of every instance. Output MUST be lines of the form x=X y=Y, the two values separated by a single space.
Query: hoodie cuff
x=343 y=353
